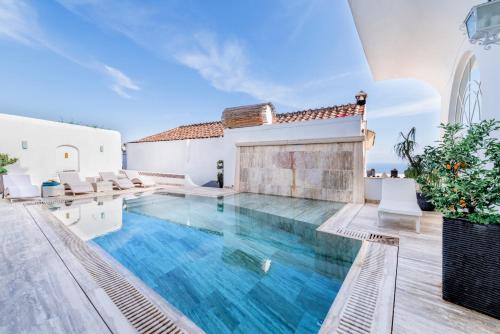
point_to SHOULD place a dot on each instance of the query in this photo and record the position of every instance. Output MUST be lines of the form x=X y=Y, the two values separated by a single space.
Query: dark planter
x=424 y=203
x=220 y=180
x=471 y=265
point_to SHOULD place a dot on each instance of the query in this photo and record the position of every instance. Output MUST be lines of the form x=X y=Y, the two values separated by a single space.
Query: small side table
x=53 y=191
x=102 y=186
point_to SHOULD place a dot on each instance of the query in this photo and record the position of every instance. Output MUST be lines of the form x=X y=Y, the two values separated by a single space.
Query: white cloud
x=426 y=105
x=225 y=66
x=122 y=84
x=19 y=23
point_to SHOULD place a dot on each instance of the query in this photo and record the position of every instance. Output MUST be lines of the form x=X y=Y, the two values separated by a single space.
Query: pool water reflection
x=241 y=264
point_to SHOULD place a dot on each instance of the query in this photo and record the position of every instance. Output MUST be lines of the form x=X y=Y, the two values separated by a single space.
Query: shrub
x=461 y=174
x=405 y=150
x=5 y=160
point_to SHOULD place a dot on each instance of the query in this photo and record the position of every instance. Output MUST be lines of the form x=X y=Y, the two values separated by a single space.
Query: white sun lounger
x=117 y=183
x=72 y=182
x=19 y=186
x=399 y=199
x=139 y=179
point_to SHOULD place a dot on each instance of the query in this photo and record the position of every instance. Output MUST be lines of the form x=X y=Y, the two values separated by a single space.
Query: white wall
x=43 y=137
x=196 y=158
x=161 y=156
x=397 y=45
x=373 y=188
x=317 y=129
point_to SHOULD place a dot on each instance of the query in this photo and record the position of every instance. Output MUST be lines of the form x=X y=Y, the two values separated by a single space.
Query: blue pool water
x=241 y=264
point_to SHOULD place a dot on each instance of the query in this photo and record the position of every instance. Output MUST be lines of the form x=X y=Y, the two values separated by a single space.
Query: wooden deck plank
x=418 y=306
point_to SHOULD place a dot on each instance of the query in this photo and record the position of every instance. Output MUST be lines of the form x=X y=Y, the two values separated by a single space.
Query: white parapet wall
x=373 y=189
x=45 y=147
x=194 y=158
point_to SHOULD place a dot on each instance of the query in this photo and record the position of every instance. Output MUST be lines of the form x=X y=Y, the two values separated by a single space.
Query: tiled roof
x=193 y=131
x=321 y=113
x=216 y=129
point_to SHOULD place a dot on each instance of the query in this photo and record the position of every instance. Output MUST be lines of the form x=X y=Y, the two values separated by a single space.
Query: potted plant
x=220 y=173
x=405 y=150
x=462 y=176
x=5 y=160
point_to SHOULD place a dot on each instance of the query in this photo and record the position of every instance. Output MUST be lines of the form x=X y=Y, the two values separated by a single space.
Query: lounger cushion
x=19 y=186
x=400 y=207
x=22 y=192
x=135 y=177
x=124 y=183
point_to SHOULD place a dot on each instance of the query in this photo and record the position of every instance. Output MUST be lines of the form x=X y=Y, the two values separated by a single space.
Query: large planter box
x=471 y=265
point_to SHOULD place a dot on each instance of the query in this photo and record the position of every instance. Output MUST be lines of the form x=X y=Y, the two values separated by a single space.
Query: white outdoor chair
x=399 y=199
x=139 y=179
x=19 y=186
x=117 y=183
x=72 y=182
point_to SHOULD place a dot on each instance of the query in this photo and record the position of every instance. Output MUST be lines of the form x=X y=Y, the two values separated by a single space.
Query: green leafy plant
x=405 y=150
x=5 y=160
x=461 y=174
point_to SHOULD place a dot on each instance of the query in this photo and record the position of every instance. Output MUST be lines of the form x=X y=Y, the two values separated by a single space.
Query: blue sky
x=142 y=67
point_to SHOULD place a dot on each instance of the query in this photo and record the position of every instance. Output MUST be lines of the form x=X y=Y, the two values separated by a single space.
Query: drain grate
x=144 y=316
x=365 y=235
x=357 y=315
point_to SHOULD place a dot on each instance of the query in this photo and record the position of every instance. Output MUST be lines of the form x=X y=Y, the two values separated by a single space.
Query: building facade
x=44 y=148
x=317 y=154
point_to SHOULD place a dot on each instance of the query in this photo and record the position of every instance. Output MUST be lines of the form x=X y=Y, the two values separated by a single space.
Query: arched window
x=468 y=95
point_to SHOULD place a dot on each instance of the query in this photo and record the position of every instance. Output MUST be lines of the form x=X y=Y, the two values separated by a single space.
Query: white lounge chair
x=73 y=183
x=19 y=186
x=399 y=199
x=139 y=179
x=117 y=183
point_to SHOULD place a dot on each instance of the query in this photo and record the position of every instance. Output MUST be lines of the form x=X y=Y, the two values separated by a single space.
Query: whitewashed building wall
x=97 y=149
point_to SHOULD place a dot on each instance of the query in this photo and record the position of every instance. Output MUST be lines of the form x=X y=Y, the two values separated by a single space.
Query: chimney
x=361 y=98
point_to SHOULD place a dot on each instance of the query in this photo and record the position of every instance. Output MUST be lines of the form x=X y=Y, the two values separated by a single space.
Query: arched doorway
x=67 y=159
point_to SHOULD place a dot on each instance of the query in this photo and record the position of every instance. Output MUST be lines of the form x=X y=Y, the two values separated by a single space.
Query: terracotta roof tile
x=216 y=129
x=321 y=113
x=193 y=131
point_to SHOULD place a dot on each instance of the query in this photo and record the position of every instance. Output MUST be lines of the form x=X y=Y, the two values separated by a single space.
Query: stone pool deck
x=418 y=306
x=39 y=291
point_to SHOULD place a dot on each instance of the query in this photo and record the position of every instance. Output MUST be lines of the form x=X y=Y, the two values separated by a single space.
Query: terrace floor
x=418 y=306
x=39 y=291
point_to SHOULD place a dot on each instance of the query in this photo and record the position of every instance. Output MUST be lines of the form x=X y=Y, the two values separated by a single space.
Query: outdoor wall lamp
x=483 y=24
x=24 y=144
x=361 y=98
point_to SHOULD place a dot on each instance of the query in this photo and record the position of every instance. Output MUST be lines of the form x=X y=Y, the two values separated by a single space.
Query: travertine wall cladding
x=318 y=171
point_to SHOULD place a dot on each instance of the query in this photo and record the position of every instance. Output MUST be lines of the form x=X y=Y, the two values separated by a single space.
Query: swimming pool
x=245 y=263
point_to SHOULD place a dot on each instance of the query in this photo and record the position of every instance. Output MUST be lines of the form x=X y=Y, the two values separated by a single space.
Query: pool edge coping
x=372 y=274
x=112 y=315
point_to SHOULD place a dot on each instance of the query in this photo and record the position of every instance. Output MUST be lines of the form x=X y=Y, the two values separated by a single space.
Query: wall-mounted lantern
x=24 y=144
x=101 y=148
x=361 y=98
x=483 y=24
